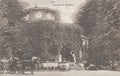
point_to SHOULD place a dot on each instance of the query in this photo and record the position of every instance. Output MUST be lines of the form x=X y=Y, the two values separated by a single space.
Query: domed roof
x=45 y=9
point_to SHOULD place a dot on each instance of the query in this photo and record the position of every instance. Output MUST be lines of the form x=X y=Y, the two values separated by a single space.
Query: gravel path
x=69 y=73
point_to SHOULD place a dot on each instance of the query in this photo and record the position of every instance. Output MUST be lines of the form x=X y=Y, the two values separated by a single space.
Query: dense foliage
x=101 y=21
x=47 y=38
x=10 y=15
x=43 y=39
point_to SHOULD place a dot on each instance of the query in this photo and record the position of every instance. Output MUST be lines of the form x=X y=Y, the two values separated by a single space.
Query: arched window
x=83 y=42
x=38 y=14
x=26 y=18
x=50 y=16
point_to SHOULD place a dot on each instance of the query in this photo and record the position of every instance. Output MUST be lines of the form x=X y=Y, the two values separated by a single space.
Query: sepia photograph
x=59 y=37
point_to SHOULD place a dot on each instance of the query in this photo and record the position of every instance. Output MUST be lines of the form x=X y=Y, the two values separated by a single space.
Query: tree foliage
x=46 y=38
x=43 y=39
x=10 y=15
x=100 y=19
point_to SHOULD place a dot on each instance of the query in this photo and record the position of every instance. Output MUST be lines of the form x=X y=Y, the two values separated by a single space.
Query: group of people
x=15 y=64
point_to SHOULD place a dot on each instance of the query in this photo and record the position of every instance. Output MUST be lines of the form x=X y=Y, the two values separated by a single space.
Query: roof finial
x=35 y=3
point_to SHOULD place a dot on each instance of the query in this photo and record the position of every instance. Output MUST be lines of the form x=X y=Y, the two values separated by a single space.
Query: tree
x=11 y=12
x=102 y=16
x=47 y=38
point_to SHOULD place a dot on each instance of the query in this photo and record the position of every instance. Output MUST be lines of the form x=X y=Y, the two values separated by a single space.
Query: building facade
x=37 y=14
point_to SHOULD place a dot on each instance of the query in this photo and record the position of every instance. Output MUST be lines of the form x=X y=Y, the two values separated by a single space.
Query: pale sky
x=67 y=8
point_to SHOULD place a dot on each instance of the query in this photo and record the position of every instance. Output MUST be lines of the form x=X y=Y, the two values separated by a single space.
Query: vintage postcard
x=60 y=37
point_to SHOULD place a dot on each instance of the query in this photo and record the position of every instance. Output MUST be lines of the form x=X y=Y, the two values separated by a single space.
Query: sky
x=67 y=8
